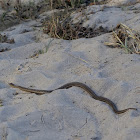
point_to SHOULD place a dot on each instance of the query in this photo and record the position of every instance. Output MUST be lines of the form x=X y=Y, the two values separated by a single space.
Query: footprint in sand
x=24 y=67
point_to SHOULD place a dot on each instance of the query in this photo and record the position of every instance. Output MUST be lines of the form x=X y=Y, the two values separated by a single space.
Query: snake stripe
x=76 y=84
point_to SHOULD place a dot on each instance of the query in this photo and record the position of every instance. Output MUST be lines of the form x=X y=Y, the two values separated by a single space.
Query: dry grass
x=42 y=51
x=26 y=11
x=126 y=38
x=16 y=11
x=22 y=11
x=58 y=4
x=61 y=26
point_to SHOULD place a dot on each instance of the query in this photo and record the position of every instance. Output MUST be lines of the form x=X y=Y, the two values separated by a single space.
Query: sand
x=70 y=114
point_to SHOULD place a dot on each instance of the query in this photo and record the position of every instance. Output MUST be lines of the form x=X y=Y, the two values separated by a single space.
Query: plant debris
x=63 y=27
x=126 y=38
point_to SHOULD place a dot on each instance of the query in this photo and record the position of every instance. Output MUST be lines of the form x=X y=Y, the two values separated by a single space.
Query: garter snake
x=75 y=84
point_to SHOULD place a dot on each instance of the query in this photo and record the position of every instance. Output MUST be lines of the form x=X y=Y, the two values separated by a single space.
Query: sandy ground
x=70 y=114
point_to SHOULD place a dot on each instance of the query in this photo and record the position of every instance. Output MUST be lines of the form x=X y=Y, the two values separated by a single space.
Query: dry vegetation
x=126 y=38
x=60 y=24
x=65 y=29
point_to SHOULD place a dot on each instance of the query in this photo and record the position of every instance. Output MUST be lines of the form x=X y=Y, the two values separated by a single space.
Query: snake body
x=75 y=84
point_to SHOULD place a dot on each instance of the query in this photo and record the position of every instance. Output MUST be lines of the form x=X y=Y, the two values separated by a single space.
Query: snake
x=80 y=85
